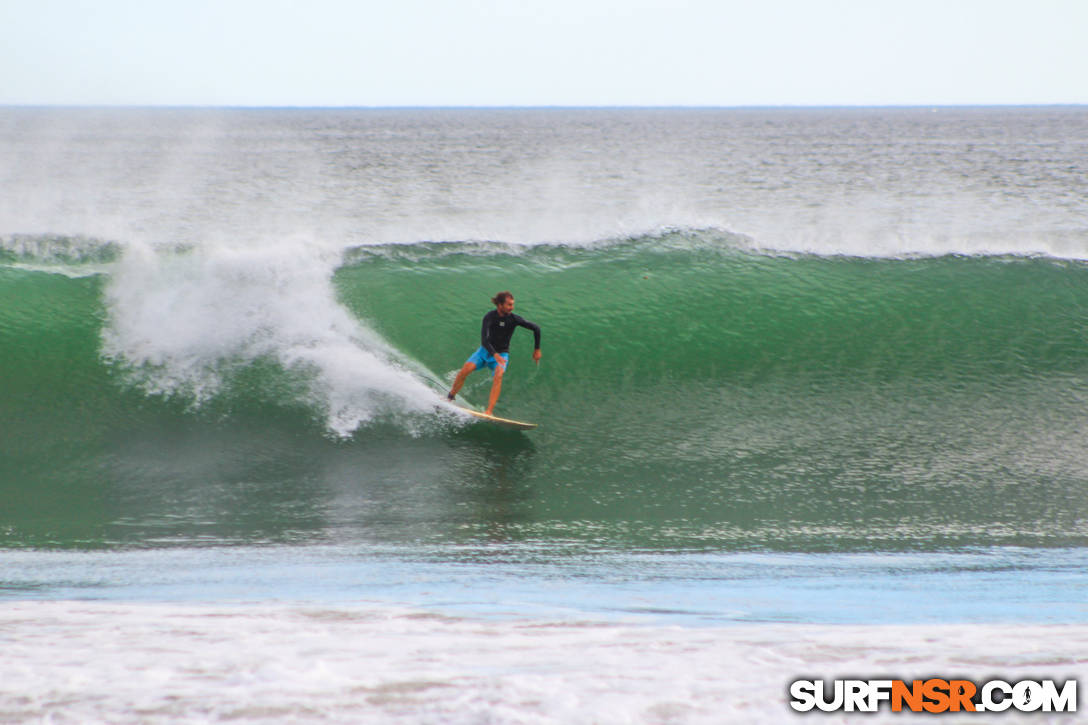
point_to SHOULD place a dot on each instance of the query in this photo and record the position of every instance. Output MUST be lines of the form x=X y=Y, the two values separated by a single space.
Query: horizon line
x=539 y=107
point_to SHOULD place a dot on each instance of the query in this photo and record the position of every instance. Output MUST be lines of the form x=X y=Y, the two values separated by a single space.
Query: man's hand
x=536 y=355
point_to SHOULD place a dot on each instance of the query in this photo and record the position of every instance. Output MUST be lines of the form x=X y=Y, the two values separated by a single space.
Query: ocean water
x=811 y=404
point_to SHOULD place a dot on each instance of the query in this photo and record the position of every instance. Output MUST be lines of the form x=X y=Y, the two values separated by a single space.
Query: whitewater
x=811 y=405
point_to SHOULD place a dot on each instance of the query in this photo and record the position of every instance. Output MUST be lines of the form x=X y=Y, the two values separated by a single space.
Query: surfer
x=498 y=327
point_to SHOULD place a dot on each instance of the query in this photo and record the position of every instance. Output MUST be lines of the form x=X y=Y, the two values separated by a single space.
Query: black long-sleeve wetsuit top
x=497 y=331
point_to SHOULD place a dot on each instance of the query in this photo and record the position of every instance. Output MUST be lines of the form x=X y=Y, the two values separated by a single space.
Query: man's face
x=507 y=306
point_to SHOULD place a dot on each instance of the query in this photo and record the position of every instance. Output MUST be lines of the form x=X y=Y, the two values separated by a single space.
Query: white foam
x=182 y=321
x=127 y=662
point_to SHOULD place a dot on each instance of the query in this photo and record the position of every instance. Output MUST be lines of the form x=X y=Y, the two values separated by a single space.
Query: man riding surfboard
x=494 y=352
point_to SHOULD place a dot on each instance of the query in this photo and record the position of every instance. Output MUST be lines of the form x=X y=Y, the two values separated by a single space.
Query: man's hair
x=501 y=297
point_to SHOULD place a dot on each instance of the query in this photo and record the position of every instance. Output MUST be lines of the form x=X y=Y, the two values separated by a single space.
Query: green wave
x=701 y=306
x=694 y=391
x=683 y=308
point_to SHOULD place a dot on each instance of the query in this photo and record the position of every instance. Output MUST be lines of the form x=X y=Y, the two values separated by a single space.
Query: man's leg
x=496 y=384
x=496 y=388
x=460 y=381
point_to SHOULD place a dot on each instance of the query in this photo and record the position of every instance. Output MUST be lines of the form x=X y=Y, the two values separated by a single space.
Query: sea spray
x=183 y=321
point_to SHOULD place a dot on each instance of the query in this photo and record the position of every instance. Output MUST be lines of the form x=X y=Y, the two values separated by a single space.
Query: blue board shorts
x=483 y=359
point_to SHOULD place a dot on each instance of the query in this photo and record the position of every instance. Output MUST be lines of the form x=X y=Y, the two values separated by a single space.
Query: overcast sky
x=531 y=52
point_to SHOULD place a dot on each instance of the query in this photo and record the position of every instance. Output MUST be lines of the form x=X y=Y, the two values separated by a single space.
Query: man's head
x=504 y=302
